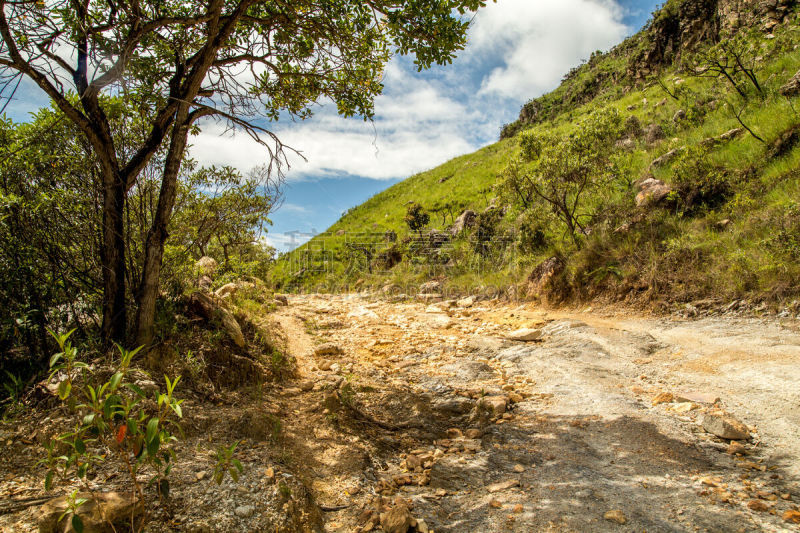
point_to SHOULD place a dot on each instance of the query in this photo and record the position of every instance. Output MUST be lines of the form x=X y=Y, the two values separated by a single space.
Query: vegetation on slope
x=726 y=226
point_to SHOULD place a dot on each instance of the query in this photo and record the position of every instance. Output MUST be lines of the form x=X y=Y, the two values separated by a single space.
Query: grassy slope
x=673 y=256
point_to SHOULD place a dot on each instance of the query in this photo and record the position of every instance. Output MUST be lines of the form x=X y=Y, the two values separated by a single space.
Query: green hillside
x=727 y=226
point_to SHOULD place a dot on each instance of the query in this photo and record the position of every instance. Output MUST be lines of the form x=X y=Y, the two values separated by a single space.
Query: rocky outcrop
x=465 y=220
x=681 y=26
x=667 y=158
x=653 y=133
x=651 y=192
x=542 y=276
x=791 y=87
x=206 y=266
x=719 y=139
x=208 y=307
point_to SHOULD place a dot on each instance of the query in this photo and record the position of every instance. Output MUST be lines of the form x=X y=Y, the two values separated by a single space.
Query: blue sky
x=518 y=49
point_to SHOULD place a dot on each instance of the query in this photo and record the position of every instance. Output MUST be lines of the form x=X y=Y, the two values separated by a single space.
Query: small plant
x=416 y=218
x=275 y=426
x=73 y=504
x=347 y=395
x=279 y=364
x=227 y=464
x=113 y=421
x=13 y=389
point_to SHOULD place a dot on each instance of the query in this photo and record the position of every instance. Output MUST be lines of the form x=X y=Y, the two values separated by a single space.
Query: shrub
x=113 y=421
x=416 y=218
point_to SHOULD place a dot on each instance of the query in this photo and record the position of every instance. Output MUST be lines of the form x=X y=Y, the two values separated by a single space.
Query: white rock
x=525 y=334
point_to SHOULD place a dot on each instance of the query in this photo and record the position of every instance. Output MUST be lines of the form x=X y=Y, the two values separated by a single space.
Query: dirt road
x=432 y=403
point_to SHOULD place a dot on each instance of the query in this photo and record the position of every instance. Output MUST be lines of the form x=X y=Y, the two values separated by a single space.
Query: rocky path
x=430 y=415
x=409 y=417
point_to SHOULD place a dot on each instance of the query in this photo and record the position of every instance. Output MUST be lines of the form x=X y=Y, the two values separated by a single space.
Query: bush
x=700 y=184
x=113 y=421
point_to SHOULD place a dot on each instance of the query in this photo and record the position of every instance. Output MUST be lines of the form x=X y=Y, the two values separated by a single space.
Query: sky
x=517 y=50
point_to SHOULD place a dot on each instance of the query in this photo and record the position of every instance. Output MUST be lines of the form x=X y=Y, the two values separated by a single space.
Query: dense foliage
x=50 y=238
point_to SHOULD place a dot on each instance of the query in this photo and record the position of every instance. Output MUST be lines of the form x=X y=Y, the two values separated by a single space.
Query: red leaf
x=121 y=432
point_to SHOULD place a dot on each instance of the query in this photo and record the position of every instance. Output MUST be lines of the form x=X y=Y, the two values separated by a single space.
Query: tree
x=559 y=170
x=416 y=218
x=732 y=59
x=50 y=225
x=179 y=63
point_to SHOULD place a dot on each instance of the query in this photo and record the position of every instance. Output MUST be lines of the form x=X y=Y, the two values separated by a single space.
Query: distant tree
x=179 y=62
x=416 y=218
x=733 y=60
x=560 y=170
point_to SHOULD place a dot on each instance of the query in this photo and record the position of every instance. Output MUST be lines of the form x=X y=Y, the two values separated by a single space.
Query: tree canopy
x=174 y=63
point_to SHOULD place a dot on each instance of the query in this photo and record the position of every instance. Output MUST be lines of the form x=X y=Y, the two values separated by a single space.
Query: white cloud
x=412 y=132
x=538 y=41
x=518 y=49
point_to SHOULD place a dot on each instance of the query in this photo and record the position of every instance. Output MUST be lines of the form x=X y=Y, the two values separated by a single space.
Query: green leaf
x=64 y=388
x=48 y=480
x=82 y=470
x=77 y=524
x=238 y=465
x=152 y=446
x=234 y=474
x=115 y=379
x=80 y=446
x=152 y=429
x=55 y=358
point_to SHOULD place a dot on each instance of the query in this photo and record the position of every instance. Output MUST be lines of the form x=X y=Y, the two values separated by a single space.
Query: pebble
x=725 y=426
x=525 y=335
x=664 y=397
x=503 y=485
x=244 y=511
x=615 y=515
x=758 y=505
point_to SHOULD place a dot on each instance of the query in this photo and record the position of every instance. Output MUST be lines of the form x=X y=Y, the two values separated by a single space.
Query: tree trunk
x=115 y=320
x=157 y=235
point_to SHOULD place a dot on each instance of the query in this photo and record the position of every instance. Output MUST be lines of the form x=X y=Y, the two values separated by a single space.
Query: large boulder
x=542 y=276
x=208 y=307
x=791 y=87
x=651 y=192
x=103 y=513
x=227 y=290
x=206 y=266
x=465 y=220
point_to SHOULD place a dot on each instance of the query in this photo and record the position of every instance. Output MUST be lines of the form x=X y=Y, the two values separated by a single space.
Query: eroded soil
x=431 y=404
